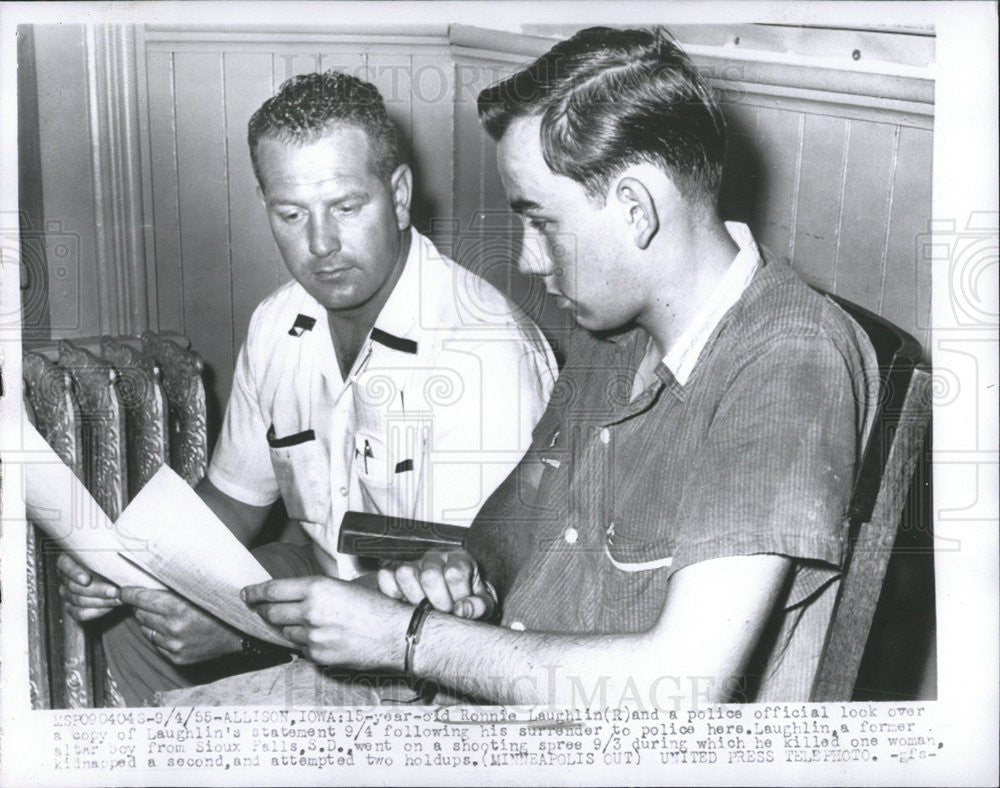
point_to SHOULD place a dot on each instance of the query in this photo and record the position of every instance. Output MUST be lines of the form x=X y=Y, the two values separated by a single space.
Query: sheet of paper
x=57 y=501
x=178 y=539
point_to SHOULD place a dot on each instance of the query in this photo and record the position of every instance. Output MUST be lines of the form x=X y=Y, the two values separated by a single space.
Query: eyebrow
x=520 y=205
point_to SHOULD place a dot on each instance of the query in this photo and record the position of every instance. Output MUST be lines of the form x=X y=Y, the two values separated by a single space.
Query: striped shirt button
x=517 y=626
x=605 y=435
x=571 y=535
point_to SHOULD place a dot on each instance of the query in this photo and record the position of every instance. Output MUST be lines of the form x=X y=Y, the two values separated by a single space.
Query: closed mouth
x=330 y=273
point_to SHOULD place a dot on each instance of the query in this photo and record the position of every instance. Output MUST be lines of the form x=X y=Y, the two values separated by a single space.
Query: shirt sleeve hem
x=826 y=550
x=251 y=497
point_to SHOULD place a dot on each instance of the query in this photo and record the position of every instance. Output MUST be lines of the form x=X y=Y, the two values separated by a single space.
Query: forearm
x=244 y=520
x=711 y=621
x=530 y=668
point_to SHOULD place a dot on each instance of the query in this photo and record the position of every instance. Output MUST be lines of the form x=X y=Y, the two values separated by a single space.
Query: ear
x=640 y=210
x=401 y=182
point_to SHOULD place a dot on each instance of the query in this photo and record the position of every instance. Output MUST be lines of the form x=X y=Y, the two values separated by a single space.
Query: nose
x=324 y=239
x=534 y=257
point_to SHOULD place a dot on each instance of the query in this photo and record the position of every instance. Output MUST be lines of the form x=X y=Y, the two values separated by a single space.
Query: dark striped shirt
x=756 y=453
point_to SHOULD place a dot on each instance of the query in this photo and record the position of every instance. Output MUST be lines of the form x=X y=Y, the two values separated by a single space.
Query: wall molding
x=116 y=171
x=759 y=78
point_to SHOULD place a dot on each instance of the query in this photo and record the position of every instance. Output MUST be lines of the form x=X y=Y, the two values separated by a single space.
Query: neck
x=688 y=264
x=349 y=327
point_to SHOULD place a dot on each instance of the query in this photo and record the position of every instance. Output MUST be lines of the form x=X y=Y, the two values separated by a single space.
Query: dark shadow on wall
x=742 y=176
x=213 y=408
x=423 y=207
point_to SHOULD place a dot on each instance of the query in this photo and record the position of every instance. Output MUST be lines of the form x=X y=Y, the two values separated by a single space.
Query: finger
x=154 y=621
x=408 y=581
x=95 y=590
x=84 y=614
x=292 y=589
x=434 y=585
x=473 y=607
x=168 y=647
x=165 y=603
x=296 y=634
x=87 y=601
x=282 y=613
x=387 y=583
x=460 y=574
x=71 y=570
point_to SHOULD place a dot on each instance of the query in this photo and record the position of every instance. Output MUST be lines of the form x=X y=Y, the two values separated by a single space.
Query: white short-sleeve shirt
x=437 y=410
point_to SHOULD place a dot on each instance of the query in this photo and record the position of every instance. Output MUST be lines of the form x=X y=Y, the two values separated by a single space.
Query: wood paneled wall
x=830 y=168
x=846 y=200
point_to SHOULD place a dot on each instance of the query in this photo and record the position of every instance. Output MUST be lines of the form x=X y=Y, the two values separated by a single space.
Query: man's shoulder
x=456 y=301
x=278 y=311
x=779 y=304
x=460 y=294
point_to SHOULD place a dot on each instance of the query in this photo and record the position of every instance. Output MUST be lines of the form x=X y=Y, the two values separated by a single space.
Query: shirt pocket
x=302 y=468
x=632 y=547
x=553 y=458
x=388 y=483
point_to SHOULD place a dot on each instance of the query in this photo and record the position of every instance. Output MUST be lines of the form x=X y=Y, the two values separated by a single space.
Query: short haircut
x=309 y=105
x=612 y=98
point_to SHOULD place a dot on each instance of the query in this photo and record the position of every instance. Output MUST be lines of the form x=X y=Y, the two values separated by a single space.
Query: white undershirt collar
x=684 y=353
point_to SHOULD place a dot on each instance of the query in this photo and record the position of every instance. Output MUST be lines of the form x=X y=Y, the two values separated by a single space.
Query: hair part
x=309 y=105
x=609 y=99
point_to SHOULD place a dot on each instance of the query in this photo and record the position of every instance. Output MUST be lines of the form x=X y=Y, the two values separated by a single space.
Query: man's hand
x=334 y=622
x=181 y=632
x=87 y=596
x=449 y=579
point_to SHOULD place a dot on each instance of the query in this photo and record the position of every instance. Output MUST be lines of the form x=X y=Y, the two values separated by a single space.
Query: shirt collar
x=684 y=353
x=396 y=324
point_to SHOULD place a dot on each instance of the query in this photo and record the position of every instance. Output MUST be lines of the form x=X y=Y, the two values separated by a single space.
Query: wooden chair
x=888 y=462
x=113 y=418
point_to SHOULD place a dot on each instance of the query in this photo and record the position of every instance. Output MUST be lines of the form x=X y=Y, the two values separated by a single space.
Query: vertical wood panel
x=391 y=75
x=256 y=266
x=67 y=185
x=777 y=141
x=819 y=198
x=350 y=62
x=163 y=165
x=203 y=189
x=469 y=164
x=432 y=132
x=864 y=217
x=907 y=278
x=290 y=64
